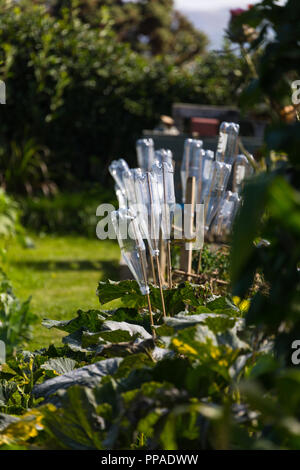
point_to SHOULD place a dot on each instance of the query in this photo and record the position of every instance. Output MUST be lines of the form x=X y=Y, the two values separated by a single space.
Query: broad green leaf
x=133 y=330
x=91 y=320
x=60 y=365
x=88 y=376
x=75 y=425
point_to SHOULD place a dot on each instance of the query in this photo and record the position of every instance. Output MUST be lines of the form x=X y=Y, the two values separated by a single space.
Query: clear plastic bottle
x=116 y=169
x=202 y=168
x=190 y=146
x=228 y=208
x=164 y=174
x=218 y=185
x=242 y=171
x=228 y=142
x=164 y=155
x=207 y=174
x=129 y=188
x=132 y=245
x=145 y=153
x=149 y=209
x=121 y=198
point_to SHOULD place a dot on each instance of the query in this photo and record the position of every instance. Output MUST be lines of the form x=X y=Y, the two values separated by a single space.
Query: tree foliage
x=151 y=27
x=77 y=97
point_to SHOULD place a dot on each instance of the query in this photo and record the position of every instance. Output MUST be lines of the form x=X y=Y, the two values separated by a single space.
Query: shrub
x=16 y=319
x=65 y=213
x=80 y=97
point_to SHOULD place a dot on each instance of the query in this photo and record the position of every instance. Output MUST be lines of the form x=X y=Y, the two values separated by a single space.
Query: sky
x=212 y=4
x=212 y=16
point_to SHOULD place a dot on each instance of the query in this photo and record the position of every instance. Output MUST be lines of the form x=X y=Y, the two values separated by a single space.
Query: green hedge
x=76 y=97
x=65 y=213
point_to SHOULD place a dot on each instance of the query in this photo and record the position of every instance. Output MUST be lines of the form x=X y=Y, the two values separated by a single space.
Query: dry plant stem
x=221 y=221
x=162 y=257
x=151 y=315
x=186 y=253
x=169 y=264
x=197 y=276
x=248 y=156
x=199 y=261
x=199 y=201
x=153 y=271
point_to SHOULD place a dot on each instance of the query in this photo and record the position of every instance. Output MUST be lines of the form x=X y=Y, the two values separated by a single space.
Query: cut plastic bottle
x=145 y=153
x=243 y=170
x=190 y=146
x=164 y=155
x=121 y=197
x=164 y=174
x=132 y=245
x=228 y=208
x=228 y=142
x=116 y=169
x=218 y=185
x=147 y=193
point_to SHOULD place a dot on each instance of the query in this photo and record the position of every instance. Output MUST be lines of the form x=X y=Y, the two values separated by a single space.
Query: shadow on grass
x=107 y=268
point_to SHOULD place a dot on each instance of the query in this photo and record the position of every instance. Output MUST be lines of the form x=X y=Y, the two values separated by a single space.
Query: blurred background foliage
x=266 y=239
x=85 y=78
x=81 y=87
x=151 y=27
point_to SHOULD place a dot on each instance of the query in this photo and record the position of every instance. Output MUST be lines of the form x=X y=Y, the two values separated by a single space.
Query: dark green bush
x=65 y=213
x=80 y=97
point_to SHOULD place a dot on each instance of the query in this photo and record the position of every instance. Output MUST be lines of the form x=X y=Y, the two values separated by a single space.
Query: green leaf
x=127 y=291
x=222 y=304
x=248 y=222
x=75 y=426
x=60 y=365
x=91 y=320
x=88 y=376
x=133 y=330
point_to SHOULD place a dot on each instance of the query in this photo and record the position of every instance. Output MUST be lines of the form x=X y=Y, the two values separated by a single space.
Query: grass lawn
x=61 y=275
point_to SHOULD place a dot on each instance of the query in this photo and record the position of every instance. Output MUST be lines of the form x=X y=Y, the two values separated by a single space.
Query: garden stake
x=186 y=254
x=162 y=257
x=156 y=250
x=147 y=295
x=133 y=250
x=146 y=282
x=169 y=261
x=153 y=270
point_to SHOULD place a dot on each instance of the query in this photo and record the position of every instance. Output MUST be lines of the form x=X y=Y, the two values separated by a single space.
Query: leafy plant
x=10 y=223
x=65 y=213
x=16 y=319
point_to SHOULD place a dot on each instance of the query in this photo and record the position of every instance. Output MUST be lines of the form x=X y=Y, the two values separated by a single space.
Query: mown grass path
x=61 y=275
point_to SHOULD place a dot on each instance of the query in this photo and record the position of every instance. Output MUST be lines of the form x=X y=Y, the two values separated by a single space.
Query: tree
x=151 y=27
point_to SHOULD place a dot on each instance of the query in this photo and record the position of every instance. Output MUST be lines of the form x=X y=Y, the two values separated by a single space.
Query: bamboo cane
x=186 y=254
x=156 y=249
x=169 y=261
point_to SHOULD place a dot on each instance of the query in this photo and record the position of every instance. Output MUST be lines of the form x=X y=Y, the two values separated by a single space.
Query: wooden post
x=163 y=259
x=186 y=251
x=155 y=247
x=152 y=270
x=147 y=295
x=169 y=258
